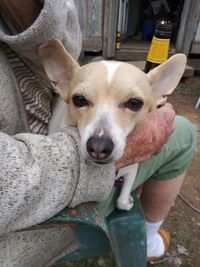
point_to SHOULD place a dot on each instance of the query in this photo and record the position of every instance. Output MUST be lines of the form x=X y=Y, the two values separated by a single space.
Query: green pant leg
x=174 y=157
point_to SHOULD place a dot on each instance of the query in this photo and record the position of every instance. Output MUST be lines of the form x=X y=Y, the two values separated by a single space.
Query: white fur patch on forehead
x=111 y=67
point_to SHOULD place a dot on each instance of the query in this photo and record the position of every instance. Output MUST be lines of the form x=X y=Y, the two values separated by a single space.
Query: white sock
x=155 y=245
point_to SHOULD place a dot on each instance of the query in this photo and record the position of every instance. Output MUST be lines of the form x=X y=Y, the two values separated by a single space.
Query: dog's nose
x=99 y=148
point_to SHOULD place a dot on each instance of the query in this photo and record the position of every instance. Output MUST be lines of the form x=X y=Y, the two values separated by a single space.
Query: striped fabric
x=37 y=98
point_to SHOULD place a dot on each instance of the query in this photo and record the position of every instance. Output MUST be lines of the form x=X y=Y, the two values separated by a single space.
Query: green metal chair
x=122 y=232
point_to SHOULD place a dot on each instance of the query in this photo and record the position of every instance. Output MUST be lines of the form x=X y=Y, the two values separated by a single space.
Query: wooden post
x=90 y=15
x=188 y=25
x=110 y=11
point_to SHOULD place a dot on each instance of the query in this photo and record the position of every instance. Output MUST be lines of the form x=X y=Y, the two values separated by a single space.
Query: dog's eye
x=80 y=101
x=134 y=104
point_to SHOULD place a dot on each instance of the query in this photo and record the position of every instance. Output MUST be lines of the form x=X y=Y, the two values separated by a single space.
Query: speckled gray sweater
x=40 y=175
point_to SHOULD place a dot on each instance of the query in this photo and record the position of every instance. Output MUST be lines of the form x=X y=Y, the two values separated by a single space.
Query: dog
x=107 y=100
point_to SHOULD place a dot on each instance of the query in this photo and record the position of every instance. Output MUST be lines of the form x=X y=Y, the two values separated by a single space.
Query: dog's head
x=107 y=99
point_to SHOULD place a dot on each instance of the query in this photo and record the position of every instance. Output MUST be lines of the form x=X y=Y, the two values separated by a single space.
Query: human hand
x=149 y=139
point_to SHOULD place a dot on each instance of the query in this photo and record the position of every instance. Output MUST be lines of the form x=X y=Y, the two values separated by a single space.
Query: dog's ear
x=164 y=78
x=59 y=65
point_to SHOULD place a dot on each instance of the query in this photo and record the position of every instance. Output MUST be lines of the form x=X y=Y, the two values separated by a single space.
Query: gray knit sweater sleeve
x=41 y=175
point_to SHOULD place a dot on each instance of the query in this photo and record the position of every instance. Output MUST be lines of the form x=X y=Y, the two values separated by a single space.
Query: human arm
x=41 y=175
x=149 y=139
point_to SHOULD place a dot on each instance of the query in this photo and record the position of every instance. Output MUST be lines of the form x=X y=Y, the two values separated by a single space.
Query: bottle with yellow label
x=158 y=52
x=118 y=41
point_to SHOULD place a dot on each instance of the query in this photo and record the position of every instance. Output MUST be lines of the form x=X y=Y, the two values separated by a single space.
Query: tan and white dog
x=107 y=100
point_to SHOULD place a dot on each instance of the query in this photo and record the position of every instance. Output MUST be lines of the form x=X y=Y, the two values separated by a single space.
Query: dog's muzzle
x=99 y=148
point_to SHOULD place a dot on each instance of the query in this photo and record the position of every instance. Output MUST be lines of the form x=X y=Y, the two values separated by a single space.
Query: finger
x=167 y=105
